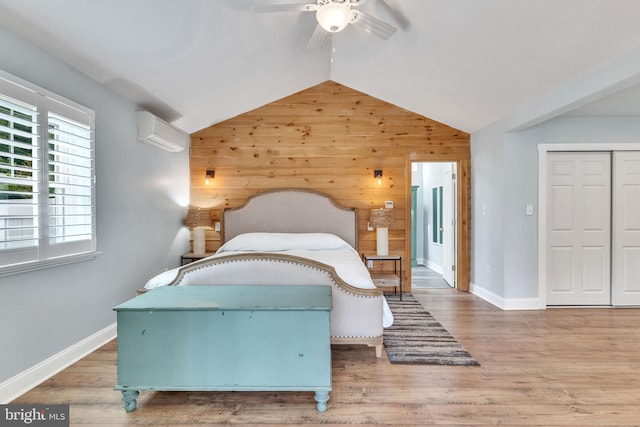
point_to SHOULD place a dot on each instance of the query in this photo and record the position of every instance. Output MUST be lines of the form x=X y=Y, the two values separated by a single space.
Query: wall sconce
x=210 y=174
x=377 y=174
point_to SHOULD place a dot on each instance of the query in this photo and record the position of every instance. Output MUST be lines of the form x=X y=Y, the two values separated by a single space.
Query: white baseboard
x=25 y=381
x=487 y=295
x=522 y=304
x=505 y=303
x=435 y=267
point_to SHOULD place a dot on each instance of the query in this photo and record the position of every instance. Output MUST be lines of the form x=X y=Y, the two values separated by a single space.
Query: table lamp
x=199 y=219
x=381 y=219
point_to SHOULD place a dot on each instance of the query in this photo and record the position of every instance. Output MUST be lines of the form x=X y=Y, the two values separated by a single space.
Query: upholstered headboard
x=291 y=211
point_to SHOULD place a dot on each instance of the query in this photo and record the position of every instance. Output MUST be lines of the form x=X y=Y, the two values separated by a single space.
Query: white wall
x=142 y=194
x=505 y=180
x=504 y=177
x=520 y=148
x=488 y=220
x=427 y=176
x=432 y=177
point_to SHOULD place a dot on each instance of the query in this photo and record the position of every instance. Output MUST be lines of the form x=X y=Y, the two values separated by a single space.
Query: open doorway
x=433 y=224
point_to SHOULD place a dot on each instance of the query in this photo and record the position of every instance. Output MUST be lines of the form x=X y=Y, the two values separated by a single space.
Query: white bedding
x=325 y=248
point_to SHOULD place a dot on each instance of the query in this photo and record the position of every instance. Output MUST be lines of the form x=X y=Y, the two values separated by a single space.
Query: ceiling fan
x=333 y=16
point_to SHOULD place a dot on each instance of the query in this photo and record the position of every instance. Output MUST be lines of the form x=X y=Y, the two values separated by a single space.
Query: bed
x=295 y=237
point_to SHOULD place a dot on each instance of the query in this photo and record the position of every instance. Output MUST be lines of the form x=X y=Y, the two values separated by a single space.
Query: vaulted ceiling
x=466 y=63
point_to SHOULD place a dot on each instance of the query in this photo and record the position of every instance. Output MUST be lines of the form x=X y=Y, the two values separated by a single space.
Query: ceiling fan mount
x=334 y=16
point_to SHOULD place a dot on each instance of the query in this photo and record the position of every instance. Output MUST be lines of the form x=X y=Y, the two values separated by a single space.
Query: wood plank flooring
x=559 y=367
x=425 y=278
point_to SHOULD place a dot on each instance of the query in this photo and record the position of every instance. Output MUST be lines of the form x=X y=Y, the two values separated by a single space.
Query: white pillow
x=274 y=242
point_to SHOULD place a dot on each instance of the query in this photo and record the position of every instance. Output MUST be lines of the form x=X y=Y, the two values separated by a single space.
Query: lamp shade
x=381 y=218
x=198 y=217
x=334 y=17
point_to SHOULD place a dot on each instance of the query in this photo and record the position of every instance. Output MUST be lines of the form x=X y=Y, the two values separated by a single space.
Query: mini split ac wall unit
x=156 y=131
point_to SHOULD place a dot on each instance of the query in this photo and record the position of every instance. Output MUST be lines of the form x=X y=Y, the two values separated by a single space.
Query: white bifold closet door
x=579 y=228
x=593 y=228
x=626 y=228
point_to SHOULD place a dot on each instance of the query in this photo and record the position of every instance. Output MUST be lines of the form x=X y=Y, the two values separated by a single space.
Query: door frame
x=463 y=213
x=543 y=149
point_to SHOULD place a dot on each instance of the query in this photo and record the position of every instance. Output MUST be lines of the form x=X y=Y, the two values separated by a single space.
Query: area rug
x=417 y=338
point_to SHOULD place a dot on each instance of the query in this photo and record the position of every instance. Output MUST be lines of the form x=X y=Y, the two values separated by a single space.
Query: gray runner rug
x=417 y=338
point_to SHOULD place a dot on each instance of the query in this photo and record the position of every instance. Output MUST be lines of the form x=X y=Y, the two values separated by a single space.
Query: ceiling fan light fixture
x=334 y=17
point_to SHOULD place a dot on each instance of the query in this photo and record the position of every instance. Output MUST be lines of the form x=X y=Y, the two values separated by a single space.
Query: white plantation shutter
x=71 y=190
x=19 y=174
x=47 y=191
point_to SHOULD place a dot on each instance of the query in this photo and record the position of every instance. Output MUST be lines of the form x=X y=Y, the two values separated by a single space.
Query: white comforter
x=325 y=248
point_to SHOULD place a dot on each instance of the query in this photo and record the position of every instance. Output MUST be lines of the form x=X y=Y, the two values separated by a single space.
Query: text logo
x=34 y=415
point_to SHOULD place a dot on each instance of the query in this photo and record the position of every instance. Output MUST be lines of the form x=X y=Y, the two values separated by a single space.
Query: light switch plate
x=388 y=204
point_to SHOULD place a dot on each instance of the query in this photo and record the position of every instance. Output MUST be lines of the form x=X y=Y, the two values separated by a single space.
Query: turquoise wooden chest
x=274 y=338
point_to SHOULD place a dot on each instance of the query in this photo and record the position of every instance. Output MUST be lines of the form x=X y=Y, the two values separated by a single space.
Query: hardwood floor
x=425 y=278
x=559 y=367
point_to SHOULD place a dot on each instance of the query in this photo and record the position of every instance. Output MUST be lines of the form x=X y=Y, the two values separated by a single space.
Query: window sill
x=40 y=265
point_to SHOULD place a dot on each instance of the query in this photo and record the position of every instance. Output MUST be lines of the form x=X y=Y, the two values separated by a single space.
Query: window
x=47 y=190
x=436 y=199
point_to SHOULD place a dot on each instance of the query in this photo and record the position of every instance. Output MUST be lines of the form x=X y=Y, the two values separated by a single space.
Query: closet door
x=579 y=228
x=626 y=228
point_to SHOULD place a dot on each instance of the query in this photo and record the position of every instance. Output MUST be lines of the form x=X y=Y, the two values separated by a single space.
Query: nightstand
x=384 y=280
x=188 y=258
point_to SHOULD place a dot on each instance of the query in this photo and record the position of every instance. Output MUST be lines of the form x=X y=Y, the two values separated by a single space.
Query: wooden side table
x=384 y=280
x=190 y=257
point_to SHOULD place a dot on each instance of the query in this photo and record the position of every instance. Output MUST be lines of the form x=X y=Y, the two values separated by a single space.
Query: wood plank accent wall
x=330 y=138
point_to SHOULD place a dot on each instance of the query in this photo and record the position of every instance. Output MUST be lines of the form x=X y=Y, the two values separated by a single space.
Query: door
x=448 y=220
x=579 y=228
x=626 y=228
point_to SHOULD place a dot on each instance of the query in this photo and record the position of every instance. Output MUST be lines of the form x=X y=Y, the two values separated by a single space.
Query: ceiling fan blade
x=317 y=38
x=372 y=25
x=394 y=10
x=271 y=8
